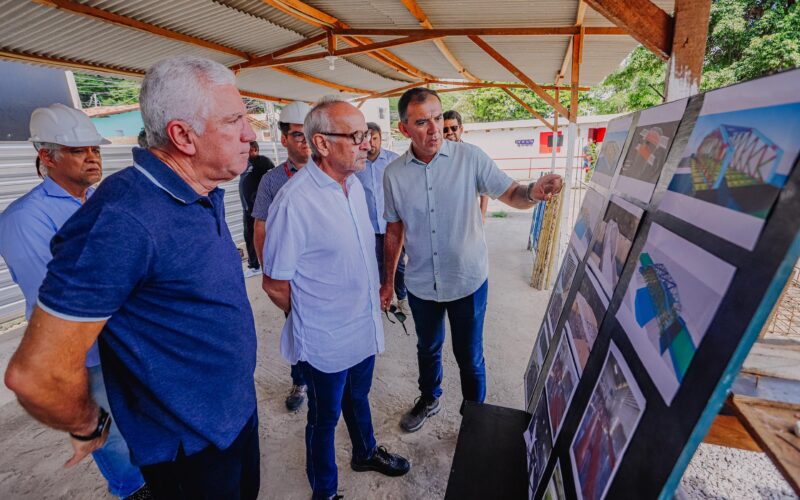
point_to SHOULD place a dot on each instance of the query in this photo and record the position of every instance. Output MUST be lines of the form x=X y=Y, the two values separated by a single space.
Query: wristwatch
x=528 y=193
x=103 y=421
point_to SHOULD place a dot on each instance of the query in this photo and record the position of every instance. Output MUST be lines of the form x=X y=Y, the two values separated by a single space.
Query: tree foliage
x=96 y=90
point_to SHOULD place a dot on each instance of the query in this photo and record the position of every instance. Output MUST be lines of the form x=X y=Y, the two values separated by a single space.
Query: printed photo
x=648 y=150
x=539 y=442
x=562 y=380
x=669 y=304
x=615 y=235
x=610 y=151
x=584 y=318
x=738 y=157
x=586 y=222
x=607 y=426
x=535 y=363
x=555 y=488
x=561 y=288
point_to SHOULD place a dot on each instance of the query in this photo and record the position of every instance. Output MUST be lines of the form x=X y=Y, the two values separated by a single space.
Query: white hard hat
x=294 y=113
x=64 y=125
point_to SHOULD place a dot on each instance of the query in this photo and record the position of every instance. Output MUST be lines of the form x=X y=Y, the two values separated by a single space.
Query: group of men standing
x=146 y=268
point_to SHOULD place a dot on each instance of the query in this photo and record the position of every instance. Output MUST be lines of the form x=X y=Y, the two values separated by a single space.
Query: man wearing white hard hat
x=68 y=148
x=294 y=140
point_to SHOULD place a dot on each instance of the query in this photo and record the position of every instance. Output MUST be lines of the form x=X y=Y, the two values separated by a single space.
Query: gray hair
x=52 y=148
x=317 y=120
x=177 y=89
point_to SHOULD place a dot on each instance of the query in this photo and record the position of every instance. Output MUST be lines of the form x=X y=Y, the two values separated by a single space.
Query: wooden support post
x=685 y=65
x=577 y=58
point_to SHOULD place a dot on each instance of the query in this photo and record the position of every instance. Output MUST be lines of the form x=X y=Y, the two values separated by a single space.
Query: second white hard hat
x=64 y=125
x=294 y=113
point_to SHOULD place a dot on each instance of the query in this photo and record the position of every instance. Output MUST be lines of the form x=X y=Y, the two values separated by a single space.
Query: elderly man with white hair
x=148 y=268
x=320 y=268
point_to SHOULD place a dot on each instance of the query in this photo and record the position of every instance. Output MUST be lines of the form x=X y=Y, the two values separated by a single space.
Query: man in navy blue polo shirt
x=148 y=268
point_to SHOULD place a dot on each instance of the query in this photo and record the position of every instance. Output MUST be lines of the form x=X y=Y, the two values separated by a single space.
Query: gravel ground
x=32 y=458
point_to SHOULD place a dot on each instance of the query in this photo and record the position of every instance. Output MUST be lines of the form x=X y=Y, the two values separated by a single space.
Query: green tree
x=96 y=90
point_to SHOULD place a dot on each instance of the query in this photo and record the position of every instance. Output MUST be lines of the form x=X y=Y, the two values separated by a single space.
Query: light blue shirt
x=322 y=242
x=437 y=203
x=26 y=228
x=372 y=180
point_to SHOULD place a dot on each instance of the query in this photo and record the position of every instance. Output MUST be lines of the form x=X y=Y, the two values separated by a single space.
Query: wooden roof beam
x=384 y=93
x=579 y=15
x=642 y=19
x=320 y=19
x=444 y=32
x=416 y=11
x=319 y=81
x=129 y=22
x=501 y=85
x=577 y=59
x=529 y=108
x=302 y=44
x=538 y=90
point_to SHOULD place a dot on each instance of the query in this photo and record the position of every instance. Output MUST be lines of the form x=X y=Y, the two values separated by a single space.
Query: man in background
x=69 y=161
x=372 y=180
x=293 y=139
x=257 y=166
x=453 y=128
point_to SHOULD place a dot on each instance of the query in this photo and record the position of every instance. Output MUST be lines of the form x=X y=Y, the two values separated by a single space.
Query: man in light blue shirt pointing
x=431 y=204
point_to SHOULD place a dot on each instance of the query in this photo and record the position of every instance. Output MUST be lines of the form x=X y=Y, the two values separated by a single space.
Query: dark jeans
x=466 y=326
x=249 y=226
x=211 y=473
x=400 y=273
x=329 y=394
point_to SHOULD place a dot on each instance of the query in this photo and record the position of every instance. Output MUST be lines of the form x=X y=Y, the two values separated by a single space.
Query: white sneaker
x=250 y=272
x=403 y=306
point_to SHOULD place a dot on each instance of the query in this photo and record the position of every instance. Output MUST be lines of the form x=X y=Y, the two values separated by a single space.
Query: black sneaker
x=296 y=398
x=384 y=462
x=423 y=408
x=142 y=493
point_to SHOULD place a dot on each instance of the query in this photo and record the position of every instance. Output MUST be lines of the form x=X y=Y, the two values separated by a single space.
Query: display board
x=681 y=249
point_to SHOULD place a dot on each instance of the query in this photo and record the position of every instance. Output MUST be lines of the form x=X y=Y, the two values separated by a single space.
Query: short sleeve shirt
x=372 y=180
x=322 y=242
x=156 y=260
x=437 y=203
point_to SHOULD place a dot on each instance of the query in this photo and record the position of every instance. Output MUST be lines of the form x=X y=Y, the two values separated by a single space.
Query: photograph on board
x=610 y=151
x=561 y=288
x=607 y=426
x=647 y=153
x=586 y=222
x=555 y=488
x=539 y=442
x=669 y=304
x=615 y=235
x=535 y=363
x=584 y=318
x=560 y=386
x=738 y=157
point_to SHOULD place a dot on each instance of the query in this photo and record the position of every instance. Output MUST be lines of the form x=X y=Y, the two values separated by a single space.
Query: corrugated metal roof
x=254 y=27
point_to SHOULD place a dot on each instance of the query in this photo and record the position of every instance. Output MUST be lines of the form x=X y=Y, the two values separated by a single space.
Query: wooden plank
x=489 y=31
x=642 y=19
x=579 y=15
x=320 y=81
x=685 y=67
x=528 y=108
x=728 y=431
x=770 y=423
x=577 y=57
x=520 y=75
x=302 y=44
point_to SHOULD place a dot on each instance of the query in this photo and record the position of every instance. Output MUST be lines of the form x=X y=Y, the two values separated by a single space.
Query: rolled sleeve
x=284 y=244
x=492 y=181
x=389 y=209
x=95 y=268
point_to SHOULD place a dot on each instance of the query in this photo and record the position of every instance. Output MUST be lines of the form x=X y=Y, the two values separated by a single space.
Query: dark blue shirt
x=157 y=261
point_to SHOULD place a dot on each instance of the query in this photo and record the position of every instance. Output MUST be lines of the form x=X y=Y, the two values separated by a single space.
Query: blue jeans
x=297 y=375
x=113 y=459
x=211 y=474
x=330 y=394
x=466 y=324
x=399 y=274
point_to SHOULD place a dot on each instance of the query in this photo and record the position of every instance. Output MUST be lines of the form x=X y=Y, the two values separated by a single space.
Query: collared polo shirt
x=156 y=261
x=270 y=184
x=444 y=239
x=321 y=241
x=372 y=180
x=26 y=228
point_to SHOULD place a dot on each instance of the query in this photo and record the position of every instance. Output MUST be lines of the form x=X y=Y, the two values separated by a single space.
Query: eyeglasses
x=357 y=137
x=451 y=129
x=298 y=136
x=400 y=315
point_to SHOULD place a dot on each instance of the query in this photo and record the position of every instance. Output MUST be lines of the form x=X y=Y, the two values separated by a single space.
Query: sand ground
x=31 y=456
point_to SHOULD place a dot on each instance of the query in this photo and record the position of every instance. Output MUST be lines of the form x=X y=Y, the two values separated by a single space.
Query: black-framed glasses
x=357 y=137
x=298 y=136
x=399 y=315
x=451 y=129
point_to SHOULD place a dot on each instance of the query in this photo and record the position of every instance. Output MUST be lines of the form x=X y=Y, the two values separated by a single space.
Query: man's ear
x=46 y=158
x=403 y=129
x=182 y=137
x=284 y=140
x=322 y=145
